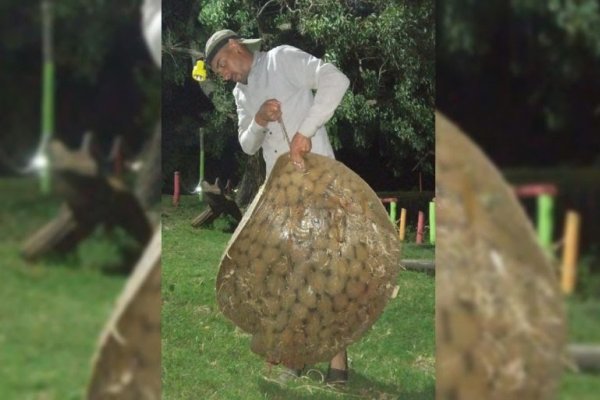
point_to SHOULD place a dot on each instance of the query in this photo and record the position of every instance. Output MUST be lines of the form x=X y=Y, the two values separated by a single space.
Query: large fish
x=312 y=264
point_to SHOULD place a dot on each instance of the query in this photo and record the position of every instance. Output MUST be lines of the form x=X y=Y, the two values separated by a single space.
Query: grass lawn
x=51 y=311
x=584 y=327
x=205 y=357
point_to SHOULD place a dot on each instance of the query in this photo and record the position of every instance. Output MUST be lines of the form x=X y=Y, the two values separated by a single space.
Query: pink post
x=536 y=189
x=420 y=223
x=176 y=189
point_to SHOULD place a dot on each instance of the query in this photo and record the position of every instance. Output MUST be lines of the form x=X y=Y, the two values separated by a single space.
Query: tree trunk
x=254 y=176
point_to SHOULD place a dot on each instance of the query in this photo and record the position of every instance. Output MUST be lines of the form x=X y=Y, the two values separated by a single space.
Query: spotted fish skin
x=312 y=264
x=500 y=325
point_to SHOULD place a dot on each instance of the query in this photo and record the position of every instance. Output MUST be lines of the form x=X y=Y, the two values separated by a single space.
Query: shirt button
x=275 y=151
x=270 y=133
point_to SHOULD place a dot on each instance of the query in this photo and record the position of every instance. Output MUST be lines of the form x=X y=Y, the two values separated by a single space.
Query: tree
x=522 y=76
x=106 y=80
x=385 y=48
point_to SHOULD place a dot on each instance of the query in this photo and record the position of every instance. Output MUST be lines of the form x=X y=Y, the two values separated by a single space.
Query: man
x=278 y=85
x=275 y=89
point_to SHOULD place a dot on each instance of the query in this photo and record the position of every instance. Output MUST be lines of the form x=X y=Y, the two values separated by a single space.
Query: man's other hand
x=269 y=111
x=300 y=146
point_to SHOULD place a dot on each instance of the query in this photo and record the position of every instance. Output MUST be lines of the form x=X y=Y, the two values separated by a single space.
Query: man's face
x=232 y=62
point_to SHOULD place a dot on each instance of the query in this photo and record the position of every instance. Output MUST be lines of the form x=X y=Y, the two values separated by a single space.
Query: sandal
x=338 y=376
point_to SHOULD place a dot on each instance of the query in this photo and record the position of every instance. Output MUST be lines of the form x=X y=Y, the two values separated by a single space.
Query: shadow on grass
x=359 y=387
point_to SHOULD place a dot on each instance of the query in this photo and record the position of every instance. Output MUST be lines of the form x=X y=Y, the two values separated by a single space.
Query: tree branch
x=263 y=8
x=175 y=49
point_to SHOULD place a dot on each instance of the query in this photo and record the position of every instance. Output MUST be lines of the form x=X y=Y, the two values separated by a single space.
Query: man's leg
x=338 y=368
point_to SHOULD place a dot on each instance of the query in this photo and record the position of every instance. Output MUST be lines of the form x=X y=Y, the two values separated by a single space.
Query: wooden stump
x=585 y=356
x=90 y=200
x=206 y=217
x=218 y=203
x=60 y=234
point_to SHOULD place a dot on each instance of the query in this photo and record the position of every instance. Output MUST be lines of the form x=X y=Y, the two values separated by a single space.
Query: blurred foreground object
x=151 y=28
x=585 y=356
x=90 y=200
x=127 y=363
x=500 y=324
x=312 y=264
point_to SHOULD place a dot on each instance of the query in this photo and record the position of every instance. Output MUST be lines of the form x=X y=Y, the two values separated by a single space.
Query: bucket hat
x=221 y=38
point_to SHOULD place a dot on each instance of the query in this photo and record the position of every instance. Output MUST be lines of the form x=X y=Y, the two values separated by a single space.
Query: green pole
x=545 y=208
x=432 y=222
x=201 y=130
x=47 y=93
x=393 y=212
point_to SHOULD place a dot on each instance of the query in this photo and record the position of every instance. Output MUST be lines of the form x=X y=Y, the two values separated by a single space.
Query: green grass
x=584 y=327
x=51 y=311
x=206 y=357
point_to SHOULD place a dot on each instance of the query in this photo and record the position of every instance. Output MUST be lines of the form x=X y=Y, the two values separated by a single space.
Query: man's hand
x=300 y=146
x=269 y=111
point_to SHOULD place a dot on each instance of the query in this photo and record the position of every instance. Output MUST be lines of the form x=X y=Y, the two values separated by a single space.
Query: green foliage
x=550 y=47
x=221 y=123
x=385 y=48
x=149 y=84
x=84 y=31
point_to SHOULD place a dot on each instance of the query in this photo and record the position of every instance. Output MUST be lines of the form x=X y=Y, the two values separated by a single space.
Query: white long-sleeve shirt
x=289 y=75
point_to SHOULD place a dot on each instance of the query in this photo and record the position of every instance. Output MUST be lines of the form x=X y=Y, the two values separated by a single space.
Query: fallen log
x=419 y=265
x=219 y=202
x=585 y=356
x=60 y=234
x=89 y=200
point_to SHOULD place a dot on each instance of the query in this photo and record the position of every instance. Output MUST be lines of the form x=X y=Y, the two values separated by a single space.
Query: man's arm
x=250 y=134
x=305 y=70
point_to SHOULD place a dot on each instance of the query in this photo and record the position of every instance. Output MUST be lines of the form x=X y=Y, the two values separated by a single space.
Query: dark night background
x=105 y=80
x=521 y=79
x=525 y=89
